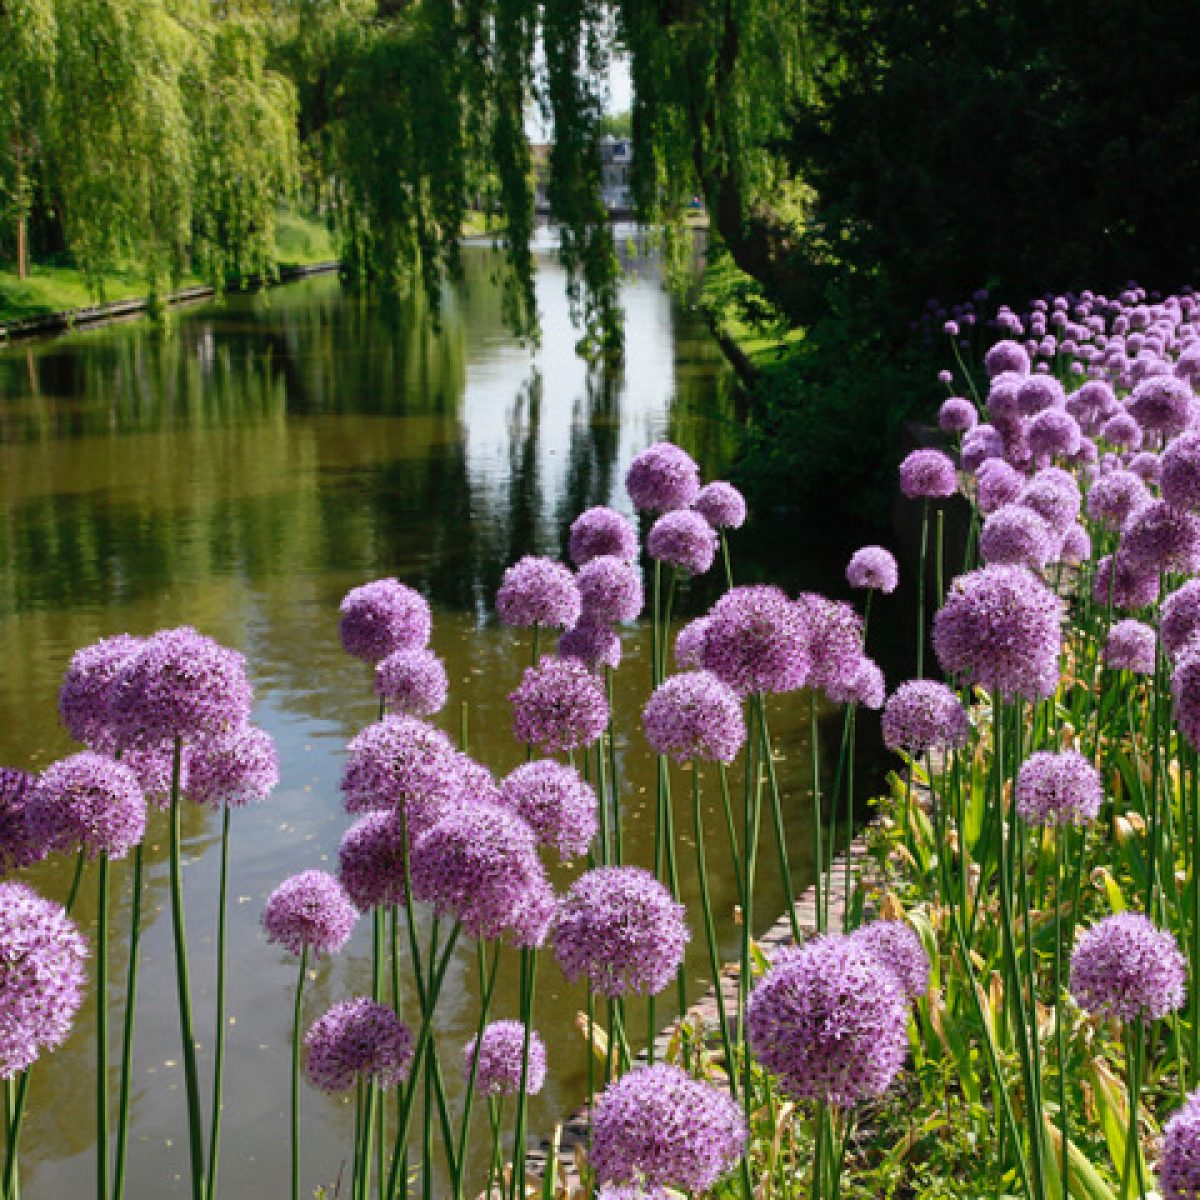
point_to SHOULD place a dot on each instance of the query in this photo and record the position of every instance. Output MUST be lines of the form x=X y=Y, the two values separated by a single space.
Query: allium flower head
x=1124 y=586
x=997 y=484
x=1159 y=538
x=831 y=1021
x=1162 y=404
x=234 y=768
x=897 y=947
x=721 y=505
x=835 y=648
x=1001 y=629
x=928 y=474
x=1179 y=1164
x=593 y=643
x=923 y=715
x=1131 y=647
x=1122 y=432
x=19 y=845
x=371 y=861
x=695 y=716
x=1147 y=466
x=1125 y=969
x=1180 y=477
x=610 y=589
x=310 y=909
x=559 y=705
x=984 y=442
x=684 y=540
x=1006 y=355
x=480 y=866
x=358 y=1039
x=659 y=1126
x=538 y=591
x=873 y=567
x=180 y=684
x=87 y=800
x=1039 y=393
x=1185 y=691
x=501 y=1058
x=620 y=928
x=41 y=976
x=632 y=1191
x=1054 y=433
x=1076 y=545
x=1180 y=617
x=383 y=616
x=1058 y=789
x=1054 y=495
x=689 y=645
x=413 y=681
x=85 y=698
x=598 y=531
x=662 y=478
x=1018 y=536
x=957 y=415
x=757 y=640
x=558 y=804
x=864 y=685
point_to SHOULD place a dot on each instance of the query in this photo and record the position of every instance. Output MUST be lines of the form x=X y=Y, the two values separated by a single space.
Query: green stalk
x=528 y=987
x=785 y=867
x=1135 y=1045
x=818 y=831
x=214 y=1141
x=76 y=880
x=921 y=590
x=135 y=936
x=613 y=777
x=487 y=985
x=296 y=1018
x=102 y=1028
x=16 y=1114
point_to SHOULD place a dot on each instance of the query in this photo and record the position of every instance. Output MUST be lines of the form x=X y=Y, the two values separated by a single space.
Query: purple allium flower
x=1006 y=356
x=1002 y=399
x=1125 y=587
x=928 y=474
x=632 y=1191
x=957 y=415
x=479 y=865
x=658 y=1125
x=371 y=861
x=1054 y=495
x=233 y=768
x=501 y=1058
x=1159 y=538
x=620 y=928
x=1125 y=969
x=864 y=685
x=695 y=716
x=1076 y=545
x=598 y=531
x=358 y=1039
x=831 y=1021
x=1122 y=432
x=1017 y=535
x=684 y=540
x=413 y=681
x=1054 y=433
x=721 y=505
x=87 y=800
x=835 y=641
x=383 y=616
x=1096 y=396
x=873 y=567
x=1039 y=393
x=1179 y=1164
x=1001 y=629
x=923 y=715
x=180 y=684
x=662 y=478
x=154 y=767
x=592 y=643
x=1162 y=404
x=689 y=645
x=610 y=589
x=1131 y=647
x=1058 y=789
x=310 y=909
x=560 y=705
x=1185 y=690
x=41 y=980
x=757 y=640
x=538 y=591
x=19 y=847
x=997 y=484
x=1180 y=475
x=1180 y=617
x=558 y=804
x=982 y=443
x=896 y=946
x=1147 y=466
x=85 y=698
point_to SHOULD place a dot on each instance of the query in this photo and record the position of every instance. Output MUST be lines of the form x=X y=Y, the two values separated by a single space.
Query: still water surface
x=241 y=475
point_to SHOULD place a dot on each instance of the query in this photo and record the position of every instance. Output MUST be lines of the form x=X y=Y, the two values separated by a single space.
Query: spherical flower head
x=757 y=640
x=610 y=589
x=1147 y=466
x=923 y=715
x=1054 y=495
x=689 y=645
x=897 y=947
x=1125 y=969
x=983 y=443
x=371 y=861
x=997 y=483
x=721 y=505
x=235 y=768
x=1096 y=396
x=500 y=1061
x=598 y=531
x=180 y=684
x=1180 y=475
x=538 y=591
x=1058 y=789
x=632 y=1191
x=957 y=415
x=1001 y=629
x=928 y=475
x=1179 y=1164
x=684 y=540
x=864 y=685
x=1159 y=538
x=1122 y=432
x=19 y=845
x=1039 y=393
x=382 y=616
x=154 y=767
x=1002 y=407
x=1017 y=535
x=559 y=705
x=1180 y=617
x=41 y=976
x=478 y=865
x=400 y=763
x=1054 y=433
x=835 y=642
x=1006 y=355
x=1076 y=545
x=358 y=1039
x=830 y=1020
x=1162 y=404
x=558 y=804
x=309 y=910
x=1185 y=691
x=874 y=568
x=694 y=716
x=659 y=1126
x=1124 y=586
x=620 y=928
x=662 y=478
x=413 y=681
x=87 y=801
x=1131 y=647
x=85 y=698
x=592 y=643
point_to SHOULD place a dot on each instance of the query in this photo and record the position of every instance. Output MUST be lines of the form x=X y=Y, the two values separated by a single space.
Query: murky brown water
x=240 y=475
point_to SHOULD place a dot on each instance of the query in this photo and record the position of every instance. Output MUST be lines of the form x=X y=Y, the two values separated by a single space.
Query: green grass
x=302 y=241
x=734 y=303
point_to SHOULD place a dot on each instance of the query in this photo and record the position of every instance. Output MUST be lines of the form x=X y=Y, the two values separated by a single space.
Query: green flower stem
x=1135 y=1047
x=725 y=558
x=131 y=981
x=487 y=985
x=613 y=776
x=921 y=590
x=529 y=957
x=102 y=1028
x=16 y=1112
x=759 y=708
x=296 y=1019
x=602 y=803
x=214 y=1140
x=76 y=880
x=1062 y=836
x=496 y=1166
x=735 y=862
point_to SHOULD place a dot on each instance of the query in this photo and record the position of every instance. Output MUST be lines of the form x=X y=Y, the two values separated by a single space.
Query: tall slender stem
x=102 y=1029
x=528 y=988
x=921 y=590
x=131 y=981
x=214 y=1138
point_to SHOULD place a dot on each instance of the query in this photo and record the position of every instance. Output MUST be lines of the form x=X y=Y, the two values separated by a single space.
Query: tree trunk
x=22 y=245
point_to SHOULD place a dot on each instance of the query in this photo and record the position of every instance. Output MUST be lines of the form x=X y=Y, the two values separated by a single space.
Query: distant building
x=616 y=161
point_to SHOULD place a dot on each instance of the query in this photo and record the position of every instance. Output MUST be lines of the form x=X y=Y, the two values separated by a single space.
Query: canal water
x=241 y=473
